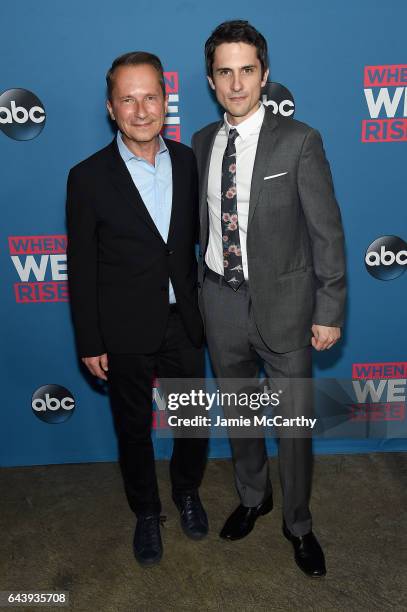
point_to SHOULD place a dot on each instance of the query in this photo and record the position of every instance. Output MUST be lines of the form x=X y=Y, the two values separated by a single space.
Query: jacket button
x=169 y=252
x=199 y=285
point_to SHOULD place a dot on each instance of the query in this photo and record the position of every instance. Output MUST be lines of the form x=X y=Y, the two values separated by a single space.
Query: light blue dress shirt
x=154 y=184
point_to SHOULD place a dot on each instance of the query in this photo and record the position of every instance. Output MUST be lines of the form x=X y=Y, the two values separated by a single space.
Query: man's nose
x=140 y=109
x=236 y=82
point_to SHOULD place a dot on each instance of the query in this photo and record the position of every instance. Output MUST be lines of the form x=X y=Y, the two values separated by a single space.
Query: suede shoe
x=308 y=553
x=194 y=520
x=241 y=522
x=147 y=544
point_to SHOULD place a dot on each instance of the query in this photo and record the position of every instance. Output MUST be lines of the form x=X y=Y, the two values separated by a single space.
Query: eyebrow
x=134 y=95
x=240 y=68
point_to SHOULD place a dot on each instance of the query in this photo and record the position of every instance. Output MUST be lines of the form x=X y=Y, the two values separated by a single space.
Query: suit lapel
x=123 y=182
x=265 y=146
x=206 y=147
x=177 y=184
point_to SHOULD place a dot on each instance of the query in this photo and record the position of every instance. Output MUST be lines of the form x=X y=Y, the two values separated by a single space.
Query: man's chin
x=143 y=136
x=238 y=112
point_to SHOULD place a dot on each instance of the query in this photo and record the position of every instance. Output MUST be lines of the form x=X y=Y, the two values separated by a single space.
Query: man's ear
x=166 y=103
x=110 y=110
x=265 y=77
x=211 y=83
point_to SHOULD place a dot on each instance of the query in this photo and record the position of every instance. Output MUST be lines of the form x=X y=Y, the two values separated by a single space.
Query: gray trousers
x=238 y=351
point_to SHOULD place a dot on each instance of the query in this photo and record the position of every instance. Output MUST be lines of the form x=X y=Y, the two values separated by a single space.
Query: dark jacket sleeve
x=325 y=230
x=193 y=143
x=195 y=197
x=82 y=258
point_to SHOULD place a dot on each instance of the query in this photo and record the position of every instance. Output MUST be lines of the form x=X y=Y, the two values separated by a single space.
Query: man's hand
x=324 y=337
x=97 y=365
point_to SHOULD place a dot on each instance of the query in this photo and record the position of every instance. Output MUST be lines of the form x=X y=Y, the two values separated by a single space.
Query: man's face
x=237 y=80
x=137 y=103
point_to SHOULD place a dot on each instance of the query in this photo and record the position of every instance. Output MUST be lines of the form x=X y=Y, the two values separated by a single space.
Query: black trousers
x=130 y=385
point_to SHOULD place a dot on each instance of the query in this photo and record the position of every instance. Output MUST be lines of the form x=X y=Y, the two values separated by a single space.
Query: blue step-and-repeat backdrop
x=345 y=69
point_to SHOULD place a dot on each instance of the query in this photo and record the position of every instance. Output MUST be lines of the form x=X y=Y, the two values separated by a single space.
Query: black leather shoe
x=308 y=553
x=194 y=521
x=241 y=522
x=147 y=544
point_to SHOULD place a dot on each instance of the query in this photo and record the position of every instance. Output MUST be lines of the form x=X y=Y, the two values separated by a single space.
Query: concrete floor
x=68 y=527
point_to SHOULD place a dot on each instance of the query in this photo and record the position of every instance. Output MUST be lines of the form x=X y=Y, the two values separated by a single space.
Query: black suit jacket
x=118 y=264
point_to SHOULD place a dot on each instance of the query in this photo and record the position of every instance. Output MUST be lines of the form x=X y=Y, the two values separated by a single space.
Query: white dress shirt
x=246 y=146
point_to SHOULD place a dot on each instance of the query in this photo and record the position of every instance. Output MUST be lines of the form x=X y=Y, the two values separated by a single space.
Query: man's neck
x=146 y=150
x=235 y=121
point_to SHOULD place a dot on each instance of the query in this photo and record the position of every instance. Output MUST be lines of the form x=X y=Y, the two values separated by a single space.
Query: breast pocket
x=277 y=189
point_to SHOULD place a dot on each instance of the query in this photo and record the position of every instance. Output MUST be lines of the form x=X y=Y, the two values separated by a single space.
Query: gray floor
x=68 y=527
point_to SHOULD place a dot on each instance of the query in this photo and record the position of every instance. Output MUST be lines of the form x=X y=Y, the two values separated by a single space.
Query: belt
x=220 y=280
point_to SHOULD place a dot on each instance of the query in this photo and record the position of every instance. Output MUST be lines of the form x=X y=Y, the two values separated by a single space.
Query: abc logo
x=386 y=257
x=22 y=115
x=278 y=98
x=53 y=403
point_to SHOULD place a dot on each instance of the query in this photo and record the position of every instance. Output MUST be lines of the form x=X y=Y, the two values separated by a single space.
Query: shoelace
x=150 y=526
x=191 y=507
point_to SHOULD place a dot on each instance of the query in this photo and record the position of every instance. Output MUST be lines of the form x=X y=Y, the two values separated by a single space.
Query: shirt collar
x=249 y=126
x=126 y=154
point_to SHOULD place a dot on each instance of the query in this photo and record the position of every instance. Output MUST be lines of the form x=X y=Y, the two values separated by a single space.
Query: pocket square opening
x=266 y=178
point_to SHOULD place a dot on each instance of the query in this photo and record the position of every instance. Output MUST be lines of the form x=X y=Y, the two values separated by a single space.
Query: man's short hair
x=236 y=31
x=135 y=58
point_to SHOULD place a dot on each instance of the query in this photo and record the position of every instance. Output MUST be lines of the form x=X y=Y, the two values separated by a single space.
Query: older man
x=132 y=219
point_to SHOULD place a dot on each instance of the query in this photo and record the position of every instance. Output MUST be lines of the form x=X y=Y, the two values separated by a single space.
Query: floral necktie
x=232 y=253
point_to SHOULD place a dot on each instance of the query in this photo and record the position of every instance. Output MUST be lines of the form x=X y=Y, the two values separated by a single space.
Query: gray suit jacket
x=295 y=244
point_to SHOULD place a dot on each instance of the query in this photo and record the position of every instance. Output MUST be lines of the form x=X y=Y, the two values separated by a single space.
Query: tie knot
x=233 y=134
